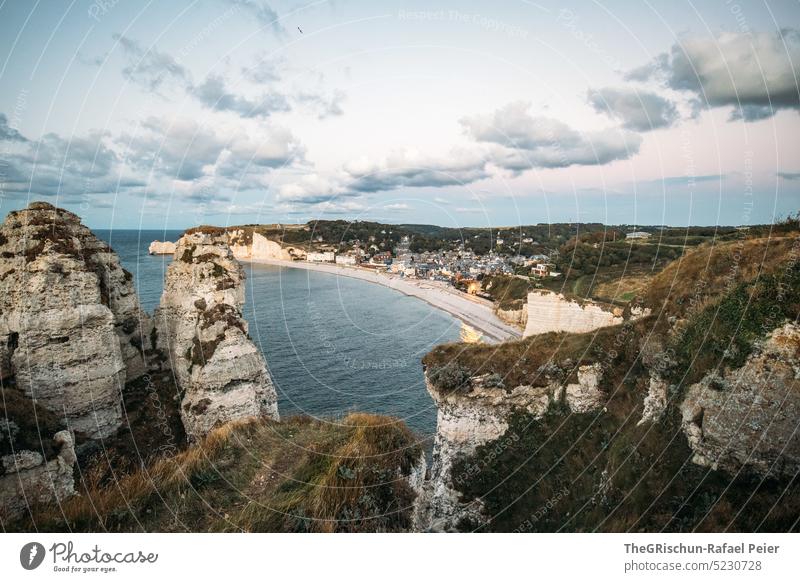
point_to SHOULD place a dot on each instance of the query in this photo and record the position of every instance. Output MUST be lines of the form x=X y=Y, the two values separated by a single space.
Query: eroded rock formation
x=220 y=371
x=476 y=412
x=27 y=477
x=746 y=419
x=71 y=328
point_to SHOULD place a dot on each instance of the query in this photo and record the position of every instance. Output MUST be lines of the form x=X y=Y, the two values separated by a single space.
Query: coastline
x=473 y=311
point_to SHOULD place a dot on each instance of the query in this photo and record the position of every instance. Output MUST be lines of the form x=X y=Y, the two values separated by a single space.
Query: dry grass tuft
x=298 y=475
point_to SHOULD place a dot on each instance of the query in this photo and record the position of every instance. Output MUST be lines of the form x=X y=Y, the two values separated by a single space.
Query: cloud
x=185 y=150
x=755 y=73
x=179 y=149
x=263 y=12
x=322 y=105
x=687 y=180
x=509 y=139
x=409 y=168
x=150 y=68
x=528 y=142
x=214 y=94
x=789 y=175
x=265 y=70
x=313 y=189
x=399 y=206
x=636 y=110
x=72 y=169
x=96 y=61
x=8 y=133
x=153 y=70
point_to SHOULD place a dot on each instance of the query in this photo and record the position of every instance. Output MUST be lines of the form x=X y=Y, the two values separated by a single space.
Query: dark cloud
x=636 y=110
x=528 y=142
x=755 y=73
x=214 y=94
x=649 y=70
x=8 y=133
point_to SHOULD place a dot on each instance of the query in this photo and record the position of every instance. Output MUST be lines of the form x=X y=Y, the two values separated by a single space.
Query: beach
x=475 y=312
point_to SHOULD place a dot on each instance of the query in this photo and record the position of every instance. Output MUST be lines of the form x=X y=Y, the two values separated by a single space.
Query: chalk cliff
x=474 y=410
x=158 y=247
x=28 y=478
x=199 y=324
x=547 y=311
x=248 y=244
x=70 y=324
x=518 y=317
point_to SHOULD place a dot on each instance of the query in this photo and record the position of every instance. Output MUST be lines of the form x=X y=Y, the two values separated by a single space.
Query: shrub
x=451 y=377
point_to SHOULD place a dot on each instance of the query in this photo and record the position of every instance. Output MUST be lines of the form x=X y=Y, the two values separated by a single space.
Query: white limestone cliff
x=548 y=311
x=518 y=317
x=221 y=372
x=158 y=247
x=70 y=323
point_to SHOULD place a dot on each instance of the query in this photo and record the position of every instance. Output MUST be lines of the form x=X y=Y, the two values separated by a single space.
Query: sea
x=333 y=344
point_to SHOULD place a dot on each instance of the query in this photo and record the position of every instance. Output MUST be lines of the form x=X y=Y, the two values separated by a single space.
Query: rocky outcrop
x=158 y=247
x=477 y=412
x=746 y=418
x=28 y=478
x=219 y=370
x=70 y=324
x=655 y=403
x=547 y=311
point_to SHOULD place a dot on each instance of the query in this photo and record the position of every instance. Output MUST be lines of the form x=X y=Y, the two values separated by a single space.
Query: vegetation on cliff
x=298 y=475
x=605 y=471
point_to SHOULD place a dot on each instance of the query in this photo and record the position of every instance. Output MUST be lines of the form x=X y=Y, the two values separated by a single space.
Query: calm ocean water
x=333 y=344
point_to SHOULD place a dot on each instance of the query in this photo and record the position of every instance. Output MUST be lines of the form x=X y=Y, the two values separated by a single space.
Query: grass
x=712 y=270
x=586 y=472
x=521 y=362
x=298 y=475
x=724 y=333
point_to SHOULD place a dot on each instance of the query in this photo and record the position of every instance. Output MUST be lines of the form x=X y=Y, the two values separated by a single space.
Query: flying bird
x=300 y=29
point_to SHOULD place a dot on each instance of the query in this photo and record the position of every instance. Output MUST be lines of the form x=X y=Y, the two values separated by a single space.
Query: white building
x=638 y=235
x=347 y=260
x=324 y=257
x=541 y=270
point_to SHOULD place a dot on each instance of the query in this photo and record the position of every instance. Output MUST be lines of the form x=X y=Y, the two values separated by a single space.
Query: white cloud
x=529 y=142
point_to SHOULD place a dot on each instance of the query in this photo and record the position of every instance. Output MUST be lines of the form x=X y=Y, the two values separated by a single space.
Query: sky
x=138 y=114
